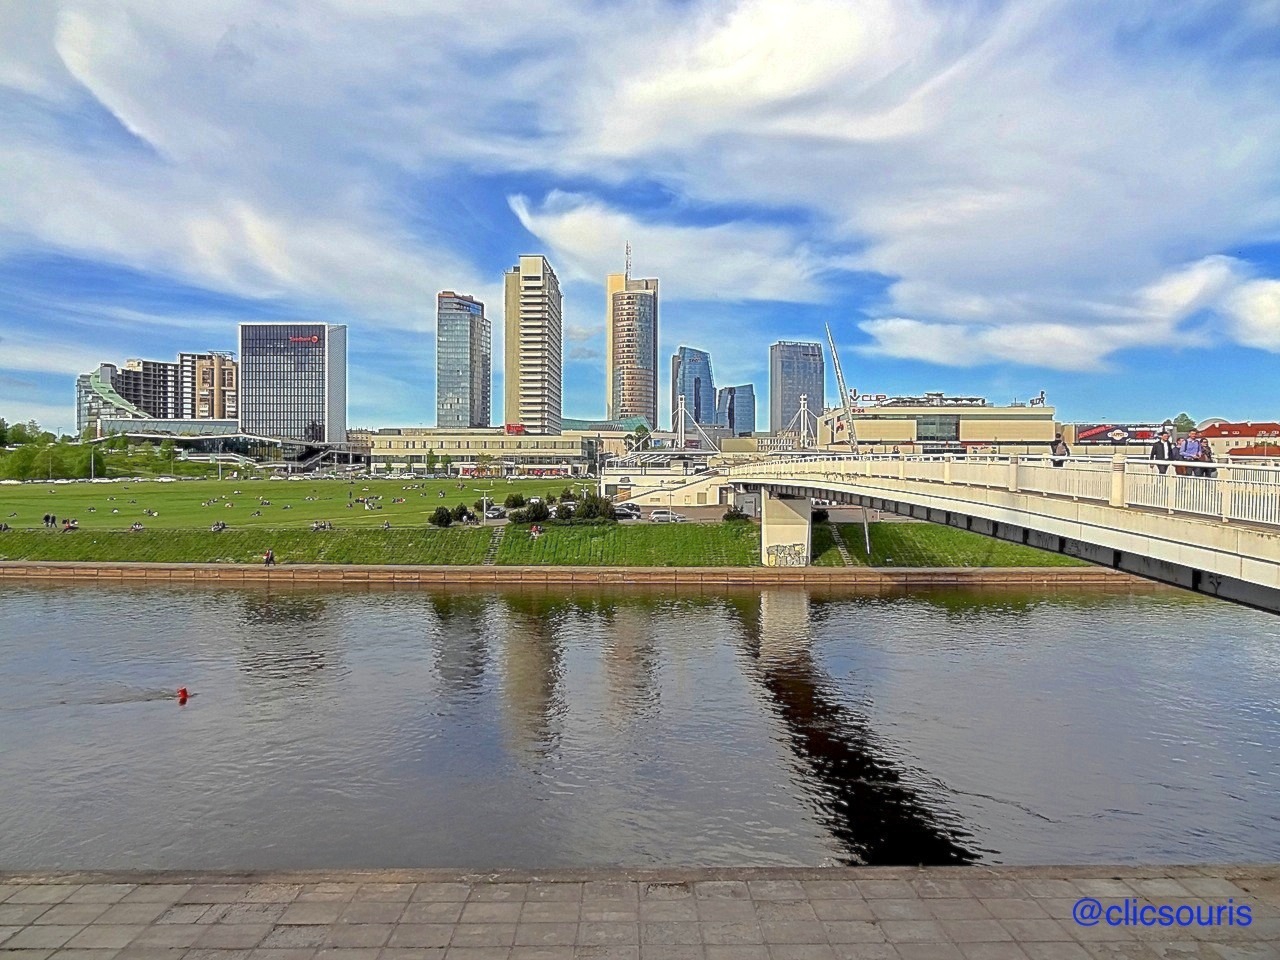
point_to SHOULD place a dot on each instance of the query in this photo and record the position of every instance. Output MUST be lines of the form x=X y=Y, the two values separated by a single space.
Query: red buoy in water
x=182 y=695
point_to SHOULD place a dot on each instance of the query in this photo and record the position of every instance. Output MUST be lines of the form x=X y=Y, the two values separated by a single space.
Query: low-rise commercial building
x=936 y=423
x=491 y=452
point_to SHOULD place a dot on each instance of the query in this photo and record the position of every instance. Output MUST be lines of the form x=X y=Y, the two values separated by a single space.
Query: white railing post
x=946 y=469
x=1013 y=474
x=1117 y=480
x=1225 y=487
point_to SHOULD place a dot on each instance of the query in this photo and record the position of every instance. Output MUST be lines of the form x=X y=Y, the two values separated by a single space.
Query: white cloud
x=732 y=261
x=1254 y=311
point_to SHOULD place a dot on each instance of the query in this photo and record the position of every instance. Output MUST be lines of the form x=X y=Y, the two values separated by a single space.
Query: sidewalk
x=951 y=913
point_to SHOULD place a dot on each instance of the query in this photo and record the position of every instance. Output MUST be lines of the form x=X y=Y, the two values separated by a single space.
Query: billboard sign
x=1117 y=434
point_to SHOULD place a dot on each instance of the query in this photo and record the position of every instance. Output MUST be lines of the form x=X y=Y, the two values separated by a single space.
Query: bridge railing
x=1247 y=492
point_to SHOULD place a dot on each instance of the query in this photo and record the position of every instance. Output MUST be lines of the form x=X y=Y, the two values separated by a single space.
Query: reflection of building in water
x=461 y=646
x=630 y=662
x=289 y=637
x=531 y=672
x=875 y=814
x=784 y=625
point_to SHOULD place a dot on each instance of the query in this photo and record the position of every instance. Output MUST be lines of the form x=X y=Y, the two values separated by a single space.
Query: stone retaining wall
x=565 y=575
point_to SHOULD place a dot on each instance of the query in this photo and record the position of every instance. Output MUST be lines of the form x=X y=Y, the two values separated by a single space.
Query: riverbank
x=630 y=544
x=879 y=913
x=458 y=575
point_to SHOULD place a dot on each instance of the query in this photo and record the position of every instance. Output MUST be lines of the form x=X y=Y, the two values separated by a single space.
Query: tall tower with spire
x=631 y=347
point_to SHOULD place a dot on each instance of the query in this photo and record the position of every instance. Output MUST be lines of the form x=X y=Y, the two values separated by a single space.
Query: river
x=417 y=728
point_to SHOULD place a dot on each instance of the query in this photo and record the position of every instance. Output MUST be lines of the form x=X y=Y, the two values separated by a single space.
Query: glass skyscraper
x=736 y=409
x=463 y=362
x=795 y=370
x=691 y=377
x=293 y=381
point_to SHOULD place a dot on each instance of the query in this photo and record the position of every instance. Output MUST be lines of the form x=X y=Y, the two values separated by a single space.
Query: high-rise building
x=216 y=387
x=736 y=409
x=293 y=381
x=795 y=370
x=98 y=399
x=691 y=377
x=463 y=361
x=631 y=347
x=150 y=385
x=533 y=326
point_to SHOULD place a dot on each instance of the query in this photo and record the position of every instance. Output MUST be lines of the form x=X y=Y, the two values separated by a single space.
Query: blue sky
x=983 y=198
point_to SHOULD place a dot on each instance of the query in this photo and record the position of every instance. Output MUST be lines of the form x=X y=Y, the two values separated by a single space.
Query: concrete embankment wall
x=897 y=577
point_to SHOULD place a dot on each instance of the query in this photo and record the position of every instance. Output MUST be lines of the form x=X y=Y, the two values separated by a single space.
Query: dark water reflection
x=528 y=729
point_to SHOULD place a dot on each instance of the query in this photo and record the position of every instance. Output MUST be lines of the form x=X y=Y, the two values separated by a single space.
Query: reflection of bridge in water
x=865 y=800
x=1217 y=534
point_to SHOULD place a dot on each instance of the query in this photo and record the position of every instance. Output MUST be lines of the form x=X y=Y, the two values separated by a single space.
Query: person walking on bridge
x=1060 y=450
x=1164 y=450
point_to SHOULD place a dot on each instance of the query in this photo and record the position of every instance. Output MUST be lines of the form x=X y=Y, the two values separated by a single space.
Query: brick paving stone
x=501 y=892
x=652 y=911
x=665 y=891
x=793 y=931
x=359 y=935
x=775 y=889
x=7 y=932
x=1055 y=951
x=865 y=951
x=284 y=953
x=421 y=935
x=441 y=892
x=6 y=954
x=974 y=931
x=731 y=931
x=348 y=953
x=101 y=893
x=914 y=931
x=169 y=893
x=608 y=933
x=406 y=953
x=550 y=912
x=721 y=890
x=929 y=951
x=843 y=910
x=326 y=893
x=992 y=951
x=106 y=954
x=853 y=931
x=71 y=914
x=606 y=952
x=385 y=892
x=1028 y=931
x=554 y=891
x=295 y=937
x=737 y=952
x=609 y=911
x=133 y=952
x=886 y=889
x=900 y=909
x=132 y=913
x=784 y=910
x=215 y=893
x=670 y=932
x=491 y=912
x=41 y=938
x=546 y=934
x=7 y=890
x=610 y=890
x=1045 y=887
x=273 y=893
x=42 y=893
x=432 y=911
x=214 y=953
x=801 y=951
x=20 y=914
x=940 y=887
x=234 y=936
x=483 y=935
x=103 y=935
x=725 y=910
x=371 y=911
x=967 y=908
x=311 y=913
x=184 y=913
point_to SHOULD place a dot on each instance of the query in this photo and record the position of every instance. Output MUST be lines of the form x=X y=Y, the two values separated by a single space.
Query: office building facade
x=795 y=370
x=464 y=369
x=293 y=381
x=631 y=348
x=691 y=377
x=533 y=368
x=216 y=388
x=736 y=409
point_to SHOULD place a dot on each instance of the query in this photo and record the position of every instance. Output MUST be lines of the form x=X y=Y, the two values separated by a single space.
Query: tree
x=446 y=462
x=1183 y=423
x=18 y=434
x=484 y=461
x=460 y=513
x=642 y=437
x=4 y=432
x=536 y=513
x=564 y=512
x=432 y=461
x=514 y=501
x=735 y=514
x=442 y=517
x=166 y=450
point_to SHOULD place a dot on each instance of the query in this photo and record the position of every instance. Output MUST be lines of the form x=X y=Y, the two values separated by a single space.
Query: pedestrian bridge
x=1217 y=534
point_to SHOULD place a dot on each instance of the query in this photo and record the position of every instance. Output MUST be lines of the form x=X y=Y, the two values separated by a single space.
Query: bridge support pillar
x=786 y=530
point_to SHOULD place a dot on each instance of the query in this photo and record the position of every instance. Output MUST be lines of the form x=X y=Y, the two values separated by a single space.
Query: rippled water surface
x=526 y=729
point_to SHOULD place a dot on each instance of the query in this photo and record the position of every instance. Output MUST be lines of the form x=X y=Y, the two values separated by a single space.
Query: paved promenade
x=975 y=913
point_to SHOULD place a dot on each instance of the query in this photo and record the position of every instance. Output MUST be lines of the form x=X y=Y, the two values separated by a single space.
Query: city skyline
x=997 y=239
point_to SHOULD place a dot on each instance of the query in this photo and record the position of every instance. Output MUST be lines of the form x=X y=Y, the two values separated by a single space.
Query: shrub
x=821 y=515
x=596 y=507
x=564 y=512
x=535 y=513
x=735 y=514
x=460 y=513
x=513 y=501
x=441 y=518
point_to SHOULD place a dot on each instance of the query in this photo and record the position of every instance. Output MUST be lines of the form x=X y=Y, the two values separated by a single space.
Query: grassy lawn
x=636 y=544
x=930 y=545
x=293 y=503
x=448 y=546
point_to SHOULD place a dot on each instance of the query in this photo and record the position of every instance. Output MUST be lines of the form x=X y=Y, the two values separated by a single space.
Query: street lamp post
x=484 y=499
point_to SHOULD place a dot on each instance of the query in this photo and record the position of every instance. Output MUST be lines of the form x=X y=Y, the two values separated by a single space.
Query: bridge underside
x=1180 y=575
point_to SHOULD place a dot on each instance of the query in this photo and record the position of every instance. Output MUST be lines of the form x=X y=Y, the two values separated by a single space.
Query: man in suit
x=1164 y=449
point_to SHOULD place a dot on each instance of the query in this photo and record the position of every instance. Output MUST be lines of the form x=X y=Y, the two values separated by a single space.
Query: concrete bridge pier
x=786 y=530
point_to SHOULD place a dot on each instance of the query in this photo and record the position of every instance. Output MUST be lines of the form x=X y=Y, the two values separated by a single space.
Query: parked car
x=667 y=516
x=627 y=511
x=495 y=513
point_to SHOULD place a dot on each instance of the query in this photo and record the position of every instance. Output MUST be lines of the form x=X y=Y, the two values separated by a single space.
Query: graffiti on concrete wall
x=787 y=555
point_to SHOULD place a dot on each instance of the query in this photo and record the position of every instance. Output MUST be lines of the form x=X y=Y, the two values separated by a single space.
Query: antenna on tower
x=628 y=259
